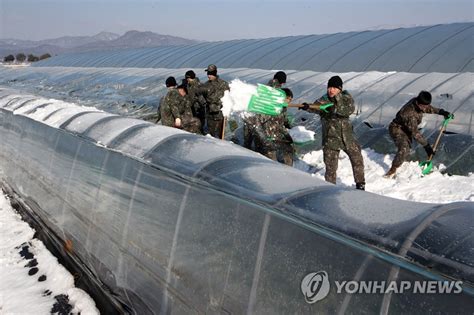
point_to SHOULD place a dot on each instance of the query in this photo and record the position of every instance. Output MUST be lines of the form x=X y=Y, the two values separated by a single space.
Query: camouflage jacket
x=270 y=130
x=337 y=130
x=213 y=91
x=410 y=116
x=174 y=106
x=197 y=101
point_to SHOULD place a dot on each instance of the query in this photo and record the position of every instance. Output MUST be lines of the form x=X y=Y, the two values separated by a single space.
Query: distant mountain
x=136 y=39
x=75 y=41
x=101 y=41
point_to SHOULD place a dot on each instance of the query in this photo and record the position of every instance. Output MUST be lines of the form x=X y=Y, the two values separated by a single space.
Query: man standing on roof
x=404 y=128
x=188 y=121
x=197 y=102
x=168 y=104
x=337 y=131
x=212 y=91
x=278 y=80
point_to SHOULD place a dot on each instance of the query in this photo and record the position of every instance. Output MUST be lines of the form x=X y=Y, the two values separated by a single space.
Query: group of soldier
x=193 y=106
x=197 y=108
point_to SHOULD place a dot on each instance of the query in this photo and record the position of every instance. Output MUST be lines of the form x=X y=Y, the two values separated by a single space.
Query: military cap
x=211 y=68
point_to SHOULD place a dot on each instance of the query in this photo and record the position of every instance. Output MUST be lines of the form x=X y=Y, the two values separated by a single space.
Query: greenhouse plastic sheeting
x=135 y=92
x=179 y=223
x=437 y=48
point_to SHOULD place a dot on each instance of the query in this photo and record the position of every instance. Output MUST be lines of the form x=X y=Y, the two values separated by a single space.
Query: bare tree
x=44 y=56
x=20 y=57
x=9 y=58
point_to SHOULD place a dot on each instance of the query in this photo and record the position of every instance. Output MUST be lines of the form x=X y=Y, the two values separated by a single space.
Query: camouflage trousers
x=248 y=136
x=331 y=159
x=280 y=154
x=285 y=154
x=403 y=143
x=215 y=123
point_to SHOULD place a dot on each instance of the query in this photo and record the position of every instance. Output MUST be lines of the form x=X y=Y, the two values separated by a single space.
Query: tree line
x=21 y=57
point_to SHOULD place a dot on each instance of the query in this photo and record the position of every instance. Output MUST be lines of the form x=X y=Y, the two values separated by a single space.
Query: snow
x=409 y=184
x=300 y=134
x=21 y=293
x=237 y=99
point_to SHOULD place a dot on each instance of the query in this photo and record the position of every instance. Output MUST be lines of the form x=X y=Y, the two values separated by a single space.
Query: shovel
x=268 y=101
x=323 y=107
x=427 y=165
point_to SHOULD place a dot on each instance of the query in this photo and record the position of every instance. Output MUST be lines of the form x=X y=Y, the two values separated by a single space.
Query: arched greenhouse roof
x=444 y=48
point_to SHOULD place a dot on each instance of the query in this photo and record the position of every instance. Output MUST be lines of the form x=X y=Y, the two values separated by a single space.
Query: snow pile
x=300 y=134
x=237 y=99
x=32 y=280
x=409 y=184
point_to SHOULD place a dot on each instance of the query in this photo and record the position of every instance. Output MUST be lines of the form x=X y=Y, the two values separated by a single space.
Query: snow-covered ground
x=409 y=184
x=32 y=281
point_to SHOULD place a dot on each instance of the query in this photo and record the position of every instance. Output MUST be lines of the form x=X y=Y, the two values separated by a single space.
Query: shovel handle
x=311 y=106
x=428 y=164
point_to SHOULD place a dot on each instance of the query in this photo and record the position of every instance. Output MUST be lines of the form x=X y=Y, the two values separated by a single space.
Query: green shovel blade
x=268 y=101
x=426 y=167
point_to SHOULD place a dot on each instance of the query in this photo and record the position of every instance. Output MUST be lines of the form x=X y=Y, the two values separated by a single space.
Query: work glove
x=429 y=150
x=445 y=113
x=305 y=106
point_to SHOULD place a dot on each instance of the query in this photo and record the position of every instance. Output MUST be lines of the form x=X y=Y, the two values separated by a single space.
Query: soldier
x=278 y=80
x=193 y=83
x=212 y=91
x=404 y=128
x=285 y=150
x=164 y=110
x=188 y=121
x=337 y=132
x=265 y=132
x=271 y=136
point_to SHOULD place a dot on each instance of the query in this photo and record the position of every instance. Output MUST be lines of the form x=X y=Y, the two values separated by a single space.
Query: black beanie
x=190 y=74
x=280 y=76
x=170 y=81
x=424 y=98
x=336 y=82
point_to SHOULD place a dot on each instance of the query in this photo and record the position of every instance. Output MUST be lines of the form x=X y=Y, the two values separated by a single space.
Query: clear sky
x=221 y=19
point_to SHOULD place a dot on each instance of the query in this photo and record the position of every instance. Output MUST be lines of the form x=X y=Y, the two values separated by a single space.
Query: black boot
x=360 y=186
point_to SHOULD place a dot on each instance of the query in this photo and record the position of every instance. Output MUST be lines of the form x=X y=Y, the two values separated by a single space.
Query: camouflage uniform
x=338 y=135
x=404 y=128
x=269 y=135
x=249 y=123
x=173 y=106
x=271 y=138
x=188 y=121
x=285 y=150
x=169 y=110
x=213 y=91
